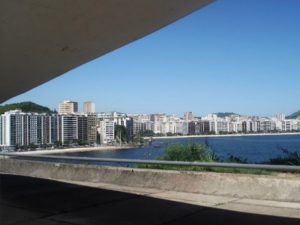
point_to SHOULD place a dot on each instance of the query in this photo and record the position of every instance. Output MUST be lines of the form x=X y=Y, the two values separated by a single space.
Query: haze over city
x=228 y=57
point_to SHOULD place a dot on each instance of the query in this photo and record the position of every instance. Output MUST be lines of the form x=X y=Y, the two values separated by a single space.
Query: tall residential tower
x=67 y=107
x=89 y=107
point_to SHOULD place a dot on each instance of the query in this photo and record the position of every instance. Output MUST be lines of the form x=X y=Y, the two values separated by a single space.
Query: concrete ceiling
x=40 y=40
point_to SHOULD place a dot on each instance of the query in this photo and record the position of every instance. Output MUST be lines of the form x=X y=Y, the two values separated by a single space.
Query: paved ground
x=33 y=201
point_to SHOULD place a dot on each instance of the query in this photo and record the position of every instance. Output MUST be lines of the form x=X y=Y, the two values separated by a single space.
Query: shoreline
x=107 y=148
x=222 y=135
x=72 y=150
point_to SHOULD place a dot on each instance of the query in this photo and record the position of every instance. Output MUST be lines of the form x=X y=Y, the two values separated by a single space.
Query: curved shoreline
x=107 y=148
x=69 y=150
x=222 y=135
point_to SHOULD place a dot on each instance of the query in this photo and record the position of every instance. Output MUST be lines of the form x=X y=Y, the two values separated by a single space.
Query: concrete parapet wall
x=282 y=187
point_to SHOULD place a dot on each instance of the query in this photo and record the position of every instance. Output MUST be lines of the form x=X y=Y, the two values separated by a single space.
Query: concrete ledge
x=281 y=187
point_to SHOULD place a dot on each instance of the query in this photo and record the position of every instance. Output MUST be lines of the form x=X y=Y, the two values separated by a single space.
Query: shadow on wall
x=26 y=200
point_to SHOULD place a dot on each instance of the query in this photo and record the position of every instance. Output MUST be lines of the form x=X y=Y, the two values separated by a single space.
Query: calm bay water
x=252 y=148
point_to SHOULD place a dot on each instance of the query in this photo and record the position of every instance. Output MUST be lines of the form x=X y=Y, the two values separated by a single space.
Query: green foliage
x=290 y=158
x=206 y=169
x=138 y=139
x=58 y=144
x=235 y=159
x=147 y=133
x=191 y=152
x=120 y=132
x=82 y=142
x=25 y=107
x=194 y=152
x=32 y=146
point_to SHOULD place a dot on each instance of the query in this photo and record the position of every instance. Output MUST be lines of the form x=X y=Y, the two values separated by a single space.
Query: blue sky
x=233 y=55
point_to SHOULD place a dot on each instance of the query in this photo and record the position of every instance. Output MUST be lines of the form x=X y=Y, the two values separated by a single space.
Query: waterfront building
x=194 y=128
x=82 y=129
x=138 y=127
x=68 y=107
x=89 y=107
x=68 y=129
x=188 y=116
x=23 y=129
x=129 y=129
x=204 y=127
x=91 y=129
x=182 y=127
x=106 y=130
x=280 y=116
x=117 y=117
x=267 y=125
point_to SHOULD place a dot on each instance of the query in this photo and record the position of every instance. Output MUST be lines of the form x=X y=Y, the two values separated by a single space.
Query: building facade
x=89 y=107
x=106 y=130
x=68 y=107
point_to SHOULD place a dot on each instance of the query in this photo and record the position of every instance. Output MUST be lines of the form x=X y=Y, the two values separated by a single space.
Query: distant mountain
x=225 y=114
x=25 y=107
x=294 y=115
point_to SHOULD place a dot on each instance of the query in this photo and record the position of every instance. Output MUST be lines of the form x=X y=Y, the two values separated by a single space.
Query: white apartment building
x=188 y=116
x=18 y=129
x=117 y=117
x=106 y=129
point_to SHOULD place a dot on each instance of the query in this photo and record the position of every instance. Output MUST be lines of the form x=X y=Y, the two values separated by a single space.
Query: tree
x=147 y=133
x=25 y=107
x=58 y=144
x=138 y=138
x=120 y=133
x=82 y=142
x=32 y=146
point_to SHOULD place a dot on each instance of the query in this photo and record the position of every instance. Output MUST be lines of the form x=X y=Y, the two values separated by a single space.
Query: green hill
x=294 y=115
x=25 y=107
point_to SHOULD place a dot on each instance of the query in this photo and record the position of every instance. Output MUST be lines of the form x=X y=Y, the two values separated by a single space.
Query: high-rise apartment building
x=67 y=107
x=22 y=129
x=89 y=107
x=82 y=128
x=91 y=128
x=106 y=129
x=280 y=116
x=68 y=131
x=188 y=116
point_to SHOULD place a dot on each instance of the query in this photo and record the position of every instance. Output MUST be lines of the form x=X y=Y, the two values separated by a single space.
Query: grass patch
x=206 y=169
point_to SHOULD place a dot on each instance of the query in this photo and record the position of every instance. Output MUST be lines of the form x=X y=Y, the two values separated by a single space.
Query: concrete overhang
x=40 y=40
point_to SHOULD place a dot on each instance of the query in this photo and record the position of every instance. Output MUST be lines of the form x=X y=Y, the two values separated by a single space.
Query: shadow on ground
x=25 y=200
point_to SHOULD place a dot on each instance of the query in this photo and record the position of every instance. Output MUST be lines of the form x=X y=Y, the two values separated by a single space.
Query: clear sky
x=233 y=55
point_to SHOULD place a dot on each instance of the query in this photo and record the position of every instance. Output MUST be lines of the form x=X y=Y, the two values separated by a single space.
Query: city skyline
x=227 y=57
x=69 y=127
x=88 y=107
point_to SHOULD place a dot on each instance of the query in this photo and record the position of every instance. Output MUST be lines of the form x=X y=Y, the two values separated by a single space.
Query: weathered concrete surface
x=41 y=40
x=32 y=201
x=281 y=187
x=255 y=206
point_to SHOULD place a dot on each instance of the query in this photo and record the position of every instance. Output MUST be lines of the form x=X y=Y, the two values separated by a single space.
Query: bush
x=198 y=152
x=290 y=158
x=190 y=152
